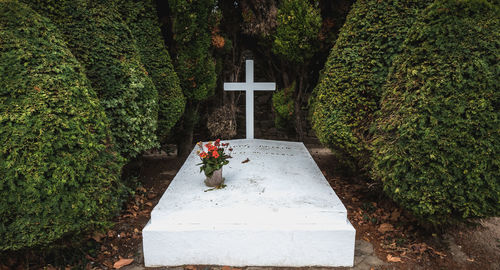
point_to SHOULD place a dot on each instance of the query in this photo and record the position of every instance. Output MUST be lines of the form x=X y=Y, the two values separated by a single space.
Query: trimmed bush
x=298 y=25
x=58 y=173
x=142 y=19
x=349 y=90
x=103 y=43
x=437 y=144
x=284 y=107
x=193 y=22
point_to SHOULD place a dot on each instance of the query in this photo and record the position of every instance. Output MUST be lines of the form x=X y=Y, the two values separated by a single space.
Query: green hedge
x=437 y=144
x=298 y=25
x=58 y=174
x=102 y=42
x=193 y=22
x=142 y=19
x=284 y=108
x=349 y=89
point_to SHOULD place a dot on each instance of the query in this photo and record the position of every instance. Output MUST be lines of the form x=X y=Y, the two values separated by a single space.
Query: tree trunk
x=298 y=108
x=185 y=142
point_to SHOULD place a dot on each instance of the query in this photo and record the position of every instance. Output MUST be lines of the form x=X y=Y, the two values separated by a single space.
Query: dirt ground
x=393 y=233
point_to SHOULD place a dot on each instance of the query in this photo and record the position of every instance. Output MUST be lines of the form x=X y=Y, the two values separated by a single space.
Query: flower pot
x=215 y=180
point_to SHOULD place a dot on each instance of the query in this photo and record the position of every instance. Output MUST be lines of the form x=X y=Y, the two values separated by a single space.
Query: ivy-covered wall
x=437 y=144
x=58 y=170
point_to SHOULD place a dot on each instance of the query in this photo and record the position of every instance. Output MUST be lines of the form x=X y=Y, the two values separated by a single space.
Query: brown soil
x=393 y=232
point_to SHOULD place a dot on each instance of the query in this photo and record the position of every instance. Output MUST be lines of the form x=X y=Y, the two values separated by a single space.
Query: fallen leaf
x=391 y=258
x=149 y=204
x=108 y=264
x=122 y=262
x=98 y=237
x=111 y=234
x=441 y=254
x=420 y=247
x=190 y=267
x=88 y=257
x=384 y=217
x=395 y=215
x=470 y=259
x=385 y=227
x=245 y=161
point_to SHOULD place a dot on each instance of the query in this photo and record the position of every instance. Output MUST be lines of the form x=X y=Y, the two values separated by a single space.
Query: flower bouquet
x=213 y=157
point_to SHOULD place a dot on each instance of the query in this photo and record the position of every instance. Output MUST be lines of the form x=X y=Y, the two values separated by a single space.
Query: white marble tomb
x=277 y=210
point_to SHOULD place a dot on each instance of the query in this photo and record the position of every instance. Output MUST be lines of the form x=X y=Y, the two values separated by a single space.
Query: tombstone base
x=276 y=210
x=247 y=246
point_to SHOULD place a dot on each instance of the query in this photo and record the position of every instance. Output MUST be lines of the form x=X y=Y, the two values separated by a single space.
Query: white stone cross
x=249 y=86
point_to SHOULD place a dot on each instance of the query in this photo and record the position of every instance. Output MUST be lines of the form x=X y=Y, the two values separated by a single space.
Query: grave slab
x=276 y=210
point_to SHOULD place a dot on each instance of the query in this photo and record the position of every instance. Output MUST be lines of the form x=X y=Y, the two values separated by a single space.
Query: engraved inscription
x=243 y=149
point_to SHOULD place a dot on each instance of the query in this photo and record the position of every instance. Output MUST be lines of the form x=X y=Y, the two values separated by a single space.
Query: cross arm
x=259 y=86
x=235 y=86
x=264 y=86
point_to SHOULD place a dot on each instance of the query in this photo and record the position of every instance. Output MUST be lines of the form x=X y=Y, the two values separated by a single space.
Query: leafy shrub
x=437 y=144
x=192 y=27
x=283 y=105
x=103 y=43
x=193 y=23
x=143 y=22
x=58 y=173
x=298 y=25
x=349 y=90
